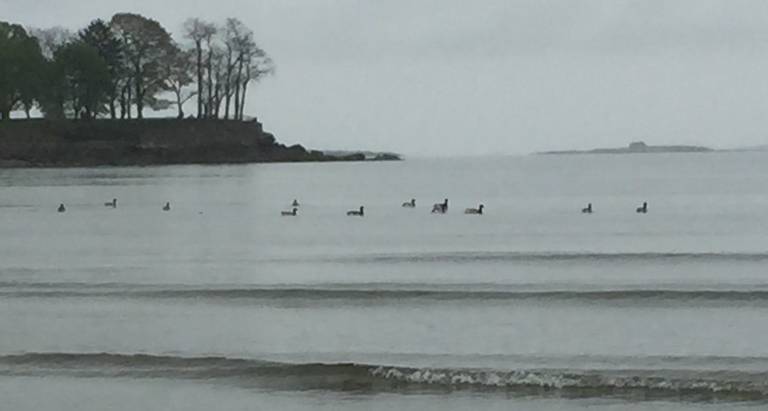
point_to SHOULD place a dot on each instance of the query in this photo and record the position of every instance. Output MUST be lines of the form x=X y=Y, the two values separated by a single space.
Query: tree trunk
x=179 y=104
x=237 y=87
x=199 y=46
x=139 y=90
x=228 y=83
x=129 y=100
x=209 y=111
x=237 y=99
x=242 y=102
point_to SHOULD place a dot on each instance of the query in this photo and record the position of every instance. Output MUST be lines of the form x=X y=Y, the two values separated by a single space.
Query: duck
x=112 y=203
x=167 y=206
x=440 y=208
x=289 y=213
x=358 y=213
x=643 y=209
x=478 y=210
x=410 y=204
x=62 y=208
x=295 y=203
x=587 y=209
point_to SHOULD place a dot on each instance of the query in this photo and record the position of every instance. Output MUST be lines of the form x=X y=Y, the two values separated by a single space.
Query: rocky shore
x=67 y=143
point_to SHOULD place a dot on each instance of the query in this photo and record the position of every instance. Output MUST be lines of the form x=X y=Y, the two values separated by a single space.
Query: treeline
x=117 y=68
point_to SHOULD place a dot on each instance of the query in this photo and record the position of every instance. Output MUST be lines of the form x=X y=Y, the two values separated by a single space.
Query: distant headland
x=637 y=147
x=105 y=142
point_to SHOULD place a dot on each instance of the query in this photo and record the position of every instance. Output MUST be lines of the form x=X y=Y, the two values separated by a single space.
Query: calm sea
x=222 y=303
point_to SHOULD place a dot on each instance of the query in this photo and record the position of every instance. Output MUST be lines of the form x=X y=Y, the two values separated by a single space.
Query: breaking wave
x=666 y=383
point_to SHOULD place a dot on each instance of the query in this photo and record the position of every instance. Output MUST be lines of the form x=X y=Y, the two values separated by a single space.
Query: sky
x=466 y=78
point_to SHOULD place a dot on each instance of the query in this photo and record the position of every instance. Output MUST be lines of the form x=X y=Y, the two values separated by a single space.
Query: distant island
x=105 y=142
x=637 y=147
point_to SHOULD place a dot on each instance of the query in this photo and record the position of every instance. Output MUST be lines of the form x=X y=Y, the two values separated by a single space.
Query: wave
x=643 y=383
x=523 y=257
x=367 y=294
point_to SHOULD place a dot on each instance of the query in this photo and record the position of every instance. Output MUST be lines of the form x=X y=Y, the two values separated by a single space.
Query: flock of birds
x=643 y=209
x=113 y=204
x=437 y=208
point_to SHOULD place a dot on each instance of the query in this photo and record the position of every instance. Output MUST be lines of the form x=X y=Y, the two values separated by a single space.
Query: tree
x=199 y=31
x=146 y=44
x=101 y=38
x=51 y=39
x=218 y=68
x=212 y=51
x=21 y=65
x=178 y=74
x=236 y=34
x=86 y=78
x=257 y=64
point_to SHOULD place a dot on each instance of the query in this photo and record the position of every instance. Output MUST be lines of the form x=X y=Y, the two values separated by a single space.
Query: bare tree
x=178 y=74
x=257 y=64
x=210 y=44
x=218 y=74
x=235 y=35
x=199 y=31
x=226 y=64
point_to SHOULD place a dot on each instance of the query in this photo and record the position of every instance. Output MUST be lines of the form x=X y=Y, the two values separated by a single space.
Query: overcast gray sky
x=458 y=77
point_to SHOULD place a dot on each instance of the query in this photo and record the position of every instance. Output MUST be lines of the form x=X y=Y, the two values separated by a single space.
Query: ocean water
x=222 y=303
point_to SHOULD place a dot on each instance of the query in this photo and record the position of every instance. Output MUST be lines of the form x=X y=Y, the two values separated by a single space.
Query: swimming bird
x=410 y=204
x=167 y=206
x=289 y=213
x=358 y=213
x=643 y=209
x=112 y=203
x=478 y=210
x=295 y=203
x=62 y=208
x=587 y=209
x=440 y=208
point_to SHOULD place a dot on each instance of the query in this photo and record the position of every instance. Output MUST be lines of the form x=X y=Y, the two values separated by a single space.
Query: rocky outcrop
x=46 y=143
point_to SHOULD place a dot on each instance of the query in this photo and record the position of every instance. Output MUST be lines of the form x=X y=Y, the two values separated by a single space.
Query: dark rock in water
x=364 y=155
x=67 y=143
x=386 y=157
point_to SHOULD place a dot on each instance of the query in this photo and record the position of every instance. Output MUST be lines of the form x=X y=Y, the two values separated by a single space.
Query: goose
x=440 y=208
x=410 y=204
x=643 y=209
x=62 y=208
x=358 y=213
x=112 y=203
x=478 y=210
x=167 y=206
x=587 y=209
x=295 y=203
x=289 y=213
